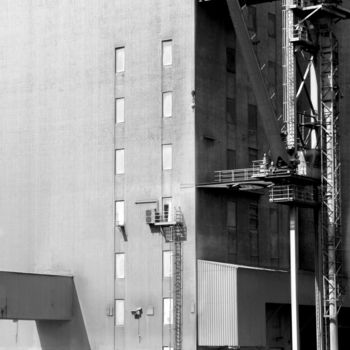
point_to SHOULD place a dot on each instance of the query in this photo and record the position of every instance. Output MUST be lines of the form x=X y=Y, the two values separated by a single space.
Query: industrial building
x=143 y=202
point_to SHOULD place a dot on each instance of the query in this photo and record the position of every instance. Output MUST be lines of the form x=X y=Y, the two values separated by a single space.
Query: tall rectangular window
x=231 y=110
x=167 y=208
x=119 y=312
x=167 y=104
x=119 y=213
x=253 y=216
x=231 y=223
x=167 y=52
x=253 y=231
x=231 y=218
x=167 y=263
x=252 y=25
x=230 y=60
x=168 y=311
x=167 y=157
x=252 y=154
x=252 y=118
x=119 y=161
x=119 y=110
x=120 y=59
x=231 y=159
x=120 y=265
x=273 y=226
x=271 y=25
x=271 y=72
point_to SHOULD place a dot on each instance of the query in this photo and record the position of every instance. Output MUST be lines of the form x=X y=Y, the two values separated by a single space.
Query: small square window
x=119 y=213
x=120 y=265
x=168 y=311
x=119 y=110
x=120 y=59
x=167 y=104
x=119 y=312
x=167 y=263
x=119 y=161
x=167 y=155
x=167 y=53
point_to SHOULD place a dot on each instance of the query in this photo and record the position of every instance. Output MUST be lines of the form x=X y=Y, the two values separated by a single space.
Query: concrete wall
x=141 y=27
x=57 y=149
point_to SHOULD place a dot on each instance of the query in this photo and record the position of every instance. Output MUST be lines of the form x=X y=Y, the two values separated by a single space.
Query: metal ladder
x=178 y=287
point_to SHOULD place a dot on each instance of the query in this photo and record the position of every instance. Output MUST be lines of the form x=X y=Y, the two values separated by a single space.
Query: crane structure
x=305 y=147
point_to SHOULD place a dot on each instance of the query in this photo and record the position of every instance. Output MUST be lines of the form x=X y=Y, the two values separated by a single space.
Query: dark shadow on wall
x=65 y=335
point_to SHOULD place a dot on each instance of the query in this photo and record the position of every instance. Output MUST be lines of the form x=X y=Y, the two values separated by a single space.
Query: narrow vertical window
x=167 y=208
x=231 y=218
x=119 y=110
x=231 y=223
x=119 y=312
x=120 y=59
x=168 y=311
x=120 y=265
x=167 y=104
x=252 y=19
x=273 y=227
x=230 y=60
x=271 y=25
x=231 y=110
x=119 y=213
x=167 y=263
x=252 y=154
x=119 y=161
x=252 y=118
x=167 y=157
x=253 y=229
x=231 y=159
x=167 y=52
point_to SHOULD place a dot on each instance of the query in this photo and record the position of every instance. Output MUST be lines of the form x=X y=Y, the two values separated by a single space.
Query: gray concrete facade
x=58 y=140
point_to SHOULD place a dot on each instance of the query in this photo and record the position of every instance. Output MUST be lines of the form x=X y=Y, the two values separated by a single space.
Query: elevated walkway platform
x=27 y=296
x=236 y=179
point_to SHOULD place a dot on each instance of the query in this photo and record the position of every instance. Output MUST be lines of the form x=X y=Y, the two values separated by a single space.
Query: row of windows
x=167 y=159
x=167 y=107
x=167 y=264
x=168 y=318
x=167 y=56
x=167 y=60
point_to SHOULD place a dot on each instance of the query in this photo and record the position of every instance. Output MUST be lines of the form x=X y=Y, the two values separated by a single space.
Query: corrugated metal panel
x=217 y=304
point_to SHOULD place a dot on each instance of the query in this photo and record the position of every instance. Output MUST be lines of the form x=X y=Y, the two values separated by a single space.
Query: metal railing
x=293 y=193
x=173 y=216
x=302 y=3
x=235 y=175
